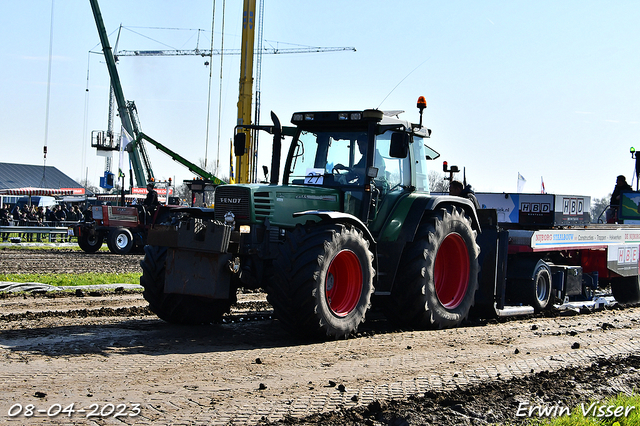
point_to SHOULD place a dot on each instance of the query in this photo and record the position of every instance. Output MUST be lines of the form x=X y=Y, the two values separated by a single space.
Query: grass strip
x=89 y=278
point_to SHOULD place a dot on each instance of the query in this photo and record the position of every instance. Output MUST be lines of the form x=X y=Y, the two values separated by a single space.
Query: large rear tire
x=323 y=281
x=176 y=308
x=437 y=279
x=626 y=289
x=90 y=242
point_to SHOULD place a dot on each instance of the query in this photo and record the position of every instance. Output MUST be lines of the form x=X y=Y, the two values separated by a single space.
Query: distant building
x=14 y=176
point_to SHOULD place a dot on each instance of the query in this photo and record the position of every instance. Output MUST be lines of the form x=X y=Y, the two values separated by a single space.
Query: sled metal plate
x=197 y=274
x=512 y=311
x=204 y=237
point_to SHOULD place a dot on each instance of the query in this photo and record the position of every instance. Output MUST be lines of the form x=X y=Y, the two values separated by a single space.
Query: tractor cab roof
x=320 y=120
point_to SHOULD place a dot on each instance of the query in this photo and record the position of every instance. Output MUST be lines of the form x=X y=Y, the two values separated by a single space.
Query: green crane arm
x=180 y=159
x=125 y=117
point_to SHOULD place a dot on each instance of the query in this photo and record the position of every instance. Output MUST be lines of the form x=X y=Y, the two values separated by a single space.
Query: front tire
x=120 y=241
x=437 y=279
x=323 y=281
x=172 y=307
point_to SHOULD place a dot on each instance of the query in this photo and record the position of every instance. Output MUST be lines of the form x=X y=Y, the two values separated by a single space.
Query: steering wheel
x=349 y=177
x=338 y=168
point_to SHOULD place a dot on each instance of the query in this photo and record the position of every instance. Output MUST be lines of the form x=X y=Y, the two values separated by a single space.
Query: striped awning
x=116 y=197
x=36 y=191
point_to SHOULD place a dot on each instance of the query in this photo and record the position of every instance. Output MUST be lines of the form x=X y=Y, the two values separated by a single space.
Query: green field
x=90 y=278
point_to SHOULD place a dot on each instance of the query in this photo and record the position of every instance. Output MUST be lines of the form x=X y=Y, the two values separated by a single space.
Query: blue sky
x=548 y=89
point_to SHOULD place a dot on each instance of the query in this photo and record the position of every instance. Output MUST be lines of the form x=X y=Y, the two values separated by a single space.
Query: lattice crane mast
x=245 y=156
x=141 y=165
x=216 y=52
x=245 y=169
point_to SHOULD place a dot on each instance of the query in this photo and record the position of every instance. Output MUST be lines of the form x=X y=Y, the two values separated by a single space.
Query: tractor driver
x=149 y=204
x=152 y=196
x=357 y=171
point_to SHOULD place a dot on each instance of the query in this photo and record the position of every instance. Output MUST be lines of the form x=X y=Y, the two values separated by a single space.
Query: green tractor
x=353 y=223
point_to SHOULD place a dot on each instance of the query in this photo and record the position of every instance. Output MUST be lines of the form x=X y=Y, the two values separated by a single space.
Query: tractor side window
x=304 y=157
x=422 y=174
x=396 y=172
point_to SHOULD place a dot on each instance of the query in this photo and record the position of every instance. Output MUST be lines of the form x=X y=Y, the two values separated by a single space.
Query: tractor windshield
x=339 y=158
x=327 y=158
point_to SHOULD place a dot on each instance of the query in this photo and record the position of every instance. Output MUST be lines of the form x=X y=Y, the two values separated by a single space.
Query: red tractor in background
x=123 y=227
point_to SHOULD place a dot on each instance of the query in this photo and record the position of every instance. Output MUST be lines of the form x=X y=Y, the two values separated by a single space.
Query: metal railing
x=31 y=231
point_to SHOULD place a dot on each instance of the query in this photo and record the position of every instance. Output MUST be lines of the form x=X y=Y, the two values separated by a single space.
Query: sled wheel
x=626 y=289
x=90 y=242
x=176 y=308
x=323 y=280
x=437 y=278
x=540 y=287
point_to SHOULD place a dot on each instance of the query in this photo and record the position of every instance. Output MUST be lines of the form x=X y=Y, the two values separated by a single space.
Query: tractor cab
x=368 y=155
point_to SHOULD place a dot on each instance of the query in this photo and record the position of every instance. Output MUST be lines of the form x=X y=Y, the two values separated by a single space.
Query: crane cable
x=46 y=119
x=85 y=124
x=224 y=5
x=217 y=166
x=206 y=145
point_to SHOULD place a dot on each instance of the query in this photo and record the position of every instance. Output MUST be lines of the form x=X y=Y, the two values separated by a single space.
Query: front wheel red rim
x=343 y=284
x=451 y=271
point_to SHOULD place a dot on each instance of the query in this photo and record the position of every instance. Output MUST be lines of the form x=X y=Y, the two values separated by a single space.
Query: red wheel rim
x=343 y=285
x=451 y=272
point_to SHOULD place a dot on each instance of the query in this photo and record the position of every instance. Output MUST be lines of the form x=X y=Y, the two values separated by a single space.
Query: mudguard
x=340 y=217
x=401 y=226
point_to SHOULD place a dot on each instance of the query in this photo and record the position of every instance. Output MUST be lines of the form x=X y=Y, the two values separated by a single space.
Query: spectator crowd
x=31 y=215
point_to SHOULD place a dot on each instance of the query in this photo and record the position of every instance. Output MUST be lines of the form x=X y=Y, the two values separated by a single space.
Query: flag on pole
x=542 y=188
x=521 y=182
x=125 y=140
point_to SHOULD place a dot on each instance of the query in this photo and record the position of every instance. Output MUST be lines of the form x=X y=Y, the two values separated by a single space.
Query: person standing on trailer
x=614 y=203
x=456 y=188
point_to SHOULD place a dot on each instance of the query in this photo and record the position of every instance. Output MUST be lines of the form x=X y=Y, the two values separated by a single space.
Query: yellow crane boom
x=242 y=171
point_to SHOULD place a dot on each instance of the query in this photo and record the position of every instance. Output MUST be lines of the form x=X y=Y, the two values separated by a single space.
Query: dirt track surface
x=65 y=261
x=103 y=349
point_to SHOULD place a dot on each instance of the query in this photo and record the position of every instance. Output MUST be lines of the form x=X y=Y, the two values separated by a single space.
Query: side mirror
x=399 y=147
x=239 y=144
